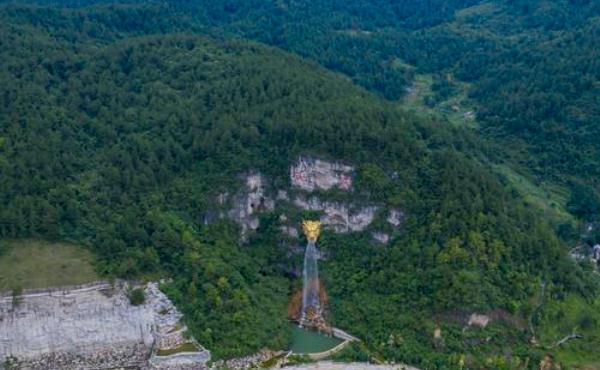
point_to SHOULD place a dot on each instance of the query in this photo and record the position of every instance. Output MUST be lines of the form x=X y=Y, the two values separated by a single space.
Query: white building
x=596 y=252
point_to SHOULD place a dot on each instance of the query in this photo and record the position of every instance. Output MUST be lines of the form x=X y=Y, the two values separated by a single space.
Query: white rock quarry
x=310 y=174
x=90 y=327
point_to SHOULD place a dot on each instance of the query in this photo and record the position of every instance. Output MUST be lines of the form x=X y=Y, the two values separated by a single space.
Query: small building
x=596 y=252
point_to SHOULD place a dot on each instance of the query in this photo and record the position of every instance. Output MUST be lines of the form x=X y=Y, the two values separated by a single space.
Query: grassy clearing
x=460 y=111
x=480 y=10
x=421 y=86
x=457 y=108
x=33 y=264
x=398 y=63
x=552 y=201
x=572 y=315
x=185 y=347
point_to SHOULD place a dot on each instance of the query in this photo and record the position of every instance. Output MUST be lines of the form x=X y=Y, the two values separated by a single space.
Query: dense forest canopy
x=120 y=123
x=532 y=65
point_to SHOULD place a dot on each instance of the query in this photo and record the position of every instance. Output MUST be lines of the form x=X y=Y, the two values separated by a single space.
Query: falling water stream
x=310 y=291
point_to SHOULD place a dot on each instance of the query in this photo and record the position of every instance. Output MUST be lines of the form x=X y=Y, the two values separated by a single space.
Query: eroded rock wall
x=311 y=174
x=339 y=217
x=90 y=327
x=309 y=178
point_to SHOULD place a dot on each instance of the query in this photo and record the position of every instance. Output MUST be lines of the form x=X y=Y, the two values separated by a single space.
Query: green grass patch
x=299 y=360
x=185 y=347
x=398 y=63
x=572 y=315
x=484 y=9
x=34 y=264
x=456 y=108
x=421 y=86
x=270 y=363
x=551 y=201
x=354 y=352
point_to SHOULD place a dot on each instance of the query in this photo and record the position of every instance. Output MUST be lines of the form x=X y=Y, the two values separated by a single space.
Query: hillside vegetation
x=528 y=68
x=119 y=131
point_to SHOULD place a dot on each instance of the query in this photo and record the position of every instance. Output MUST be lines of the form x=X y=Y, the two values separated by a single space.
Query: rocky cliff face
x=307 y=175
x=339 y=217
x=91 y=327
x=311 y=174
x=250 y=202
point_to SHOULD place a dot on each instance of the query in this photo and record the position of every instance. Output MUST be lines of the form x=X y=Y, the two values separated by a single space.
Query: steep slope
x=531 y=65
x=123 y=143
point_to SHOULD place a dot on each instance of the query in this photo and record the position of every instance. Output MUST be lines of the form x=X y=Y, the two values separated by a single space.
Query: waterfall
x=310 y=292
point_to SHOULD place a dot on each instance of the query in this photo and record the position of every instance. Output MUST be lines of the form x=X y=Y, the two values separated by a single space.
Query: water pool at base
x=308 y=341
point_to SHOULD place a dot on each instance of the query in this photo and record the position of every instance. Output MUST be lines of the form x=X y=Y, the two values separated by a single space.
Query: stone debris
x=121 y=356
x=249 y=362
x=93 y=326
x=180 y=361
x=329 y=365
x=548 y=363
x=310 y=174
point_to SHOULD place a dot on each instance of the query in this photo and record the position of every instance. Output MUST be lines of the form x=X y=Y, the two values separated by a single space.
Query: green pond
x=308 y=341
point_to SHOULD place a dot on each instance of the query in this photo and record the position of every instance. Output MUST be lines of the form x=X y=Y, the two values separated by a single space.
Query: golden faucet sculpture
x=311 y=229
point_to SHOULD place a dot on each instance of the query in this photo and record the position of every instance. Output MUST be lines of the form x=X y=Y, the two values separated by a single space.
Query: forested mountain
x=121 y=122
x=531 y=67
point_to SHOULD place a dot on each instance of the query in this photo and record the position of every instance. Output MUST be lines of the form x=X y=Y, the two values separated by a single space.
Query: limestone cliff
x=94 y=326
x=307 y=176
x=339 y=217
x=311 y=174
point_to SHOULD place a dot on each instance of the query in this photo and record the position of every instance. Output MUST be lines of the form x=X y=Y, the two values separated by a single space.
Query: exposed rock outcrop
x=339 y=217
x=380 y=237
x=246 y=205
x=94 y=326
x=548 y=363
x=348 y=366
x=290 y=231
x=249 y=362
x=311 y=174
x=479 y=320
x=306 y=176
x=396 y=217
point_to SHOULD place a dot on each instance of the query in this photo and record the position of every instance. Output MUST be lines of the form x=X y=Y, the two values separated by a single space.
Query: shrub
x=137 y=296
